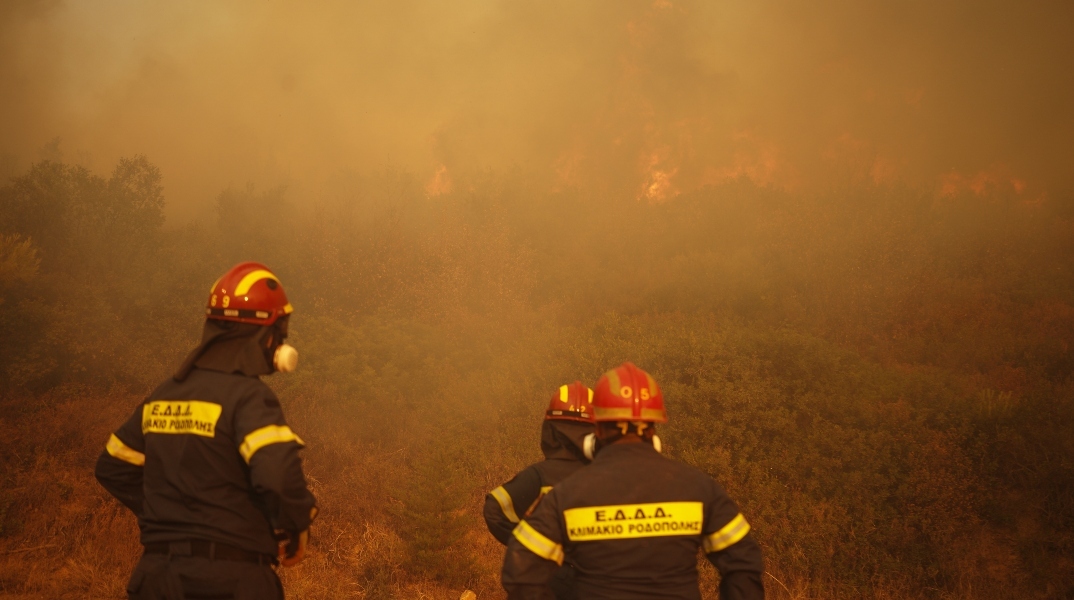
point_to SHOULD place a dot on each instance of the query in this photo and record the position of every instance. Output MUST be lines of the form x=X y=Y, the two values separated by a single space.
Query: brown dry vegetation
x=881 y=377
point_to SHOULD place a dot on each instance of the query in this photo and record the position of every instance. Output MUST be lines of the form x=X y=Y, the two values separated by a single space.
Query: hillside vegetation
x=880 y=376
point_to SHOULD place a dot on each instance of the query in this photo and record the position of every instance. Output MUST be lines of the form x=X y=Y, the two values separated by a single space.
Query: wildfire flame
x=658 y=185
x=983 y=182
x=440 y=182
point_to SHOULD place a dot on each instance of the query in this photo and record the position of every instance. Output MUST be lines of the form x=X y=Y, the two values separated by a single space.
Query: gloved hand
x=292 y=547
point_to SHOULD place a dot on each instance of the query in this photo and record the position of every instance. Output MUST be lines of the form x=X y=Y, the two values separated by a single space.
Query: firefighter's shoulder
x=554 y=470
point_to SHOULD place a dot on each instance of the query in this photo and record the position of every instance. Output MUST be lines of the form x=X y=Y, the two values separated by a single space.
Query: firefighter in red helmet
x=632 y=523
x=207 y=462
x=567 y=423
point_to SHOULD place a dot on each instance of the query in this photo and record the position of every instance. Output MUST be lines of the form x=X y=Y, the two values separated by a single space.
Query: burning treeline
x=650 y=98
x=881 y=374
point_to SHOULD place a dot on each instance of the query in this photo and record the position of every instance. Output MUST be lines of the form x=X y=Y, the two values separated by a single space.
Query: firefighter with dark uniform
x=632 y=522
x=567 y=422
x=207 y=462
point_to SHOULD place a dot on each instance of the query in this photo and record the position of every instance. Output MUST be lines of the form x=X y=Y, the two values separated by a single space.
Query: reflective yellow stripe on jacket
x=728 y=536
x=538 y=544
x=271 y=434
x=123 y=452
x=506 y=505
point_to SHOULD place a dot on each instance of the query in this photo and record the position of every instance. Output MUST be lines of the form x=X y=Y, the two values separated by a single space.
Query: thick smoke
x=647 y=99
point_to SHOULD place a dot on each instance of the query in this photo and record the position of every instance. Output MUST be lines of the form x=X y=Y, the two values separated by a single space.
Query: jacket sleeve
x=741 y=567
x=731 y=549
x=122 y=463
x=271 y=450
x=505 y=505
x=534 y=553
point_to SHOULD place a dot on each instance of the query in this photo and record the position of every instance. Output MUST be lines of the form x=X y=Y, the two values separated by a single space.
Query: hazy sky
x=650 y=97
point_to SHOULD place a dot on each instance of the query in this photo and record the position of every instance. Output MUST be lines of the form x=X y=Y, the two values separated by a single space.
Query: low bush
x=881 y=378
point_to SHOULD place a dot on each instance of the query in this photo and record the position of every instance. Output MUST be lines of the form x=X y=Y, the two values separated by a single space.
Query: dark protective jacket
x=561 y=443
x=631 y=524
x=211 y=458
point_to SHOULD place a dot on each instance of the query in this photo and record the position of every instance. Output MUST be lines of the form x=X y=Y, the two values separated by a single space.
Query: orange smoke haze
x=643 y=99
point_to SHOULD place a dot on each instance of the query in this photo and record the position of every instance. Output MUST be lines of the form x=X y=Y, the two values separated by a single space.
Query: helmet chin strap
x=639 y=426
x=589 y=443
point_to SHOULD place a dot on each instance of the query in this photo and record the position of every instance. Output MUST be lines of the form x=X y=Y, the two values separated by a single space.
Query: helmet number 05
x=626 y=391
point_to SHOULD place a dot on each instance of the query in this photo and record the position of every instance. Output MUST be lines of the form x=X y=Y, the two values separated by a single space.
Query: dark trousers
x=163 y=577
x=562 y=583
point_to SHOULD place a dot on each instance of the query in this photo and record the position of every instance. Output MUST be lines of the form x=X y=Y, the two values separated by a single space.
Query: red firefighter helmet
x=571 y=402
x=248 y=293
x=626 y=393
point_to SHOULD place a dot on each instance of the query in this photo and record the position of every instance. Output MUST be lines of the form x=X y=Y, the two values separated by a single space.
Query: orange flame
x=440 y=183
x=996 y=178
x=658 y=185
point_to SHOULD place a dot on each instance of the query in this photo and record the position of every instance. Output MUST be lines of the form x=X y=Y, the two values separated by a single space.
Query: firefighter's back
x=631 y=523
x=208 y=463
x=196 y=479
x=634 y=524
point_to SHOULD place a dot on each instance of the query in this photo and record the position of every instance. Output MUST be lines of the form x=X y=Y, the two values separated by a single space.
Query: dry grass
x=66 y=538
x=882 y=381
